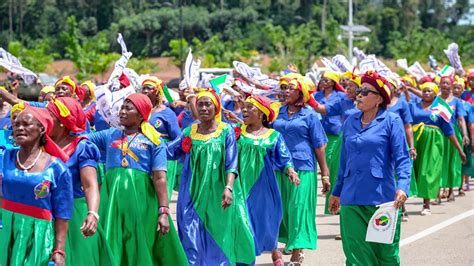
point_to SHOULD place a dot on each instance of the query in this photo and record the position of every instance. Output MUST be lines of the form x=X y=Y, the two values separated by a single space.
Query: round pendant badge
x=42 y=190
x=382 y=221
x=157 y=123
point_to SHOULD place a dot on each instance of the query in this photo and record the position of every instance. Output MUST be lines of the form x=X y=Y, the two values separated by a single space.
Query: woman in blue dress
x=261 y=150
x=85 y=243
x=37 y=194
x=165 y=122
x=429 y=144
x=306 y=140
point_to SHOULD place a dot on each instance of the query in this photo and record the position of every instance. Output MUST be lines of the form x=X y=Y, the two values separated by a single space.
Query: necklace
x=124 y=162
x=364 y=123
x=27 y=168
x=258 y=132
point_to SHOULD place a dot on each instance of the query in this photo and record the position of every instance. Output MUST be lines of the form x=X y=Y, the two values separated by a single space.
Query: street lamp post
x=181 y=35
x=350 y=28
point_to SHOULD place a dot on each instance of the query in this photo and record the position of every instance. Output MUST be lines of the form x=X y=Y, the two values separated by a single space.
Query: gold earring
x=61 y=125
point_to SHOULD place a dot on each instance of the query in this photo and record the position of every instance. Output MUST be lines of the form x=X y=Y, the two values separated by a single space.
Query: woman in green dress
x=428 y=133
x=306 y=140
x=212 y=219
x=37 y=194
x=134 y=203
x=165 y=122
x=452 y=170
x=85 y=243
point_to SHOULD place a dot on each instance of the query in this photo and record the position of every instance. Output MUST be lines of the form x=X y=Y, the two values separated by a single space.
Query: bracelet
x=163 y=210
x=93 y=213
x=229 y=188
x=412 y=149
x=325 y=177
x=58 y=251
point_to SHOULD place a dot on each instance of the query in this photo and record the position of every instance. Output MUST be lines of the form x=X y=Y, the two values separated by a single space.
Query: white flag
x=12 y=63
x=191 y=70
x=383 y=224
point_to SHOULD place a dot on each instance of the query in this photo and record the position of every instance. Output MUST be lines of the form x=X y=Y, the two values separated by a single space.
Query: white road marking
x=436 y=228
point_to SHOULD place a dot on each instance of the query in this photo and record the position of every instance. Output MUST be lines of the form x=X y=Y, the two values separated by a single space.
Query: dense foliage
x=219 y=31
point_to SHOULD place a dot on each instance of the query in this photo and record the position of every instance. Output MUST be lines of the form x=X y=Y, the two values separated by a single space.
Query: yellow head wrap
x=332 y=76
x=48 y=89
x=68 y=81
x=304 y=85
x=215 y=100
x=460 y=81
x=91 y=87
x=352 y=77
x=153 y=82
x=430 y=85
x=410 y=80
x=269 y=108
x=284 y=80
x=17 y=108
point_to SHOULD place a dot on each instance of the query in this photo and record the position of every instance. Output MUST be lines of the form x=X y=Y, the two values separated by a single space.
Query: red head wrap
x=449 y=78
x=379 y=83
x=265 y=105
x=144 y=107
x=47 y=121
x=69 y=112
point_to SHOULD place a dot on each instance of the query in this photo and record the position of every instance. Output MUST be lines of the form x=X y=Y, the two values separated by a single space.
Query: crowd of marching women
x=78 y=189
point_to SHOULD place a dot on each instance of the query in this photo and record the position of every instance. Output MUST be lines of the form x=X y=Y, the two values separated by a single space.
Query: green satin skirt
x=25 y=240
x=129 y=209
x=452 y=163
x=298 y=225
x=171 y=169
x=428 y=165
x=354 y=222
x=333 y=157
x=93 y=250
x=100 y=173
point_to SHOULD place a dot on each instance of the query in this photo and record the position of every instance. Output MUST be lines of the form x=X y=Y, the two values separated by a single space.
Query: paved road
x=453 y=244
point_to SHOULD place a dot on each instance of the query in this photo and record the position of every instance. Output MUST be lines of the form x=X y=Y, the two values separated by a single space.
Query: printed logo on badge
x=42 y=190
x=157 y=123
x=382 y=221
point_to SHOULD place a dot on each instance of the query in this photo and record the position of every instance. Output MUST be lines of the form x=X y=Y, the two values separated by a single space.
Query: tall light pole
x=181 y=35
x=350 y=28
x=351 y=33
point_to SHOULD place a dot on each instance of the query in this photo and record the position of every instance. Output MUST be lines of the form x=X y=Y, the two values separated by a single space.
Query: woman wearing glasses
x=373 y=149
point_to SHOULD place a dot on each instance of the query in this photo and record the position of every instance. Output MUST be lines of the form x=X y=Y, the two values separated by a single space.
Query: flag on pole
x=439 y=108
x=219 y=83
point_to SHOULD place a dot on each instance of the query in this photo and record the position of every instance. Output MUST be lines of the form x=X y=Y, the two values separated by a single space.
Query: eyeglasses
x=364 y=91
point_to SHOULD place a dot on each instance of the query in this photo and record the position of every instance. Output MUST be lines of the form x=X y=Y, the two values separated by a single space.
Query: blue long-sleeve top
x=303 y=133
x=370 y=157
x=344 y=108
x=402 y=109
x=331 y=123
x=421 y=115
